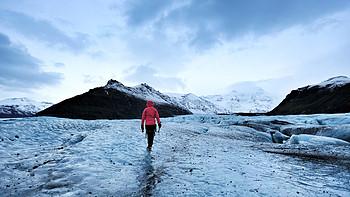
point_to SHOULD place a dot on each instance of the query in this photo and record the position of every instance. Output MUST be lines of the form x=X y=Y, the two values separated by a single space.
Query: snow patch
x=333 y=82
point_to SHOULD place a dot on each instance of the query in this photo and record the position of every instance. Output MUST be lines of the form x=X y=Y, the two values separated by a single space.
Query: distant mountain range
x=117 y=101
x=254 y=101
x=21 y=107
x=330 y=96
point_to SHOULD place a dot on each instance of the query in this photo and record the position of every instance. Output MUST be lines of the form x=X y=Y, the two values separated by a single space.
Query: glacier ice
x=194 y=155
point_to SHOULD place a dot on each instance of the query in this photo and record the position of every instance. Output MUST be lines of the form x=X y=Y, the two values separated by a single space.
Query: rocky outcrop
x=330 y=96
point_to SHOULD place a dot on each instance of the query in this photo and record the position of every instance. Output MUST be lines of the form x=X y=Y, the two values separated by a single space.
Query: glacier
x=193 y=155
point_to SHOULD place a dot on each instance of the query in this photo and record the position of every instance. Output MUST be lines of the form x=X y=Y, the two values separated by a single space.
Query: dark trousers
x=151 y=131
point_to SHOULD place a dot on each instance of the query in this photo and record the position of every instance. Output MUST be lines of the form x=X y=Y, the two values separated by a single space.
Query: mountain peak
x=338 y=78
x=333 y=82
x=145 y=85
x=113 y=82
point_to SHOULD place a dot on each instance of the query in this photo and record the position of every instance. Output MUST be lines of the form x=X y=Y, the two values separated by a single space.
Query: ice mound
x=315 y=140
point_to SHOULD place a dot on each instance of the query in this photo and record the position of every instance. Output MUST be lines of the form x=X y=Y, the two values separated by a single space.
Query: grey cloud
x=43 y=31
x=227 y=19
x=139 y=12
x=146 y=74
x=20 y=70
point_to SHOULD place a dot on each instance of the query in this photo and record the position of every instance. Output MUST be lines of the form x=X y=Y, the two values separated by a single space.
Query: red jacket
x=150 y=114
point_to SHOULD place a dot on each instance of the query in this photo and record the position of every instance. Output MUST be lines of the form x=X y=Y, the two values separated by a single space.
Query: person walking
x=148 y=116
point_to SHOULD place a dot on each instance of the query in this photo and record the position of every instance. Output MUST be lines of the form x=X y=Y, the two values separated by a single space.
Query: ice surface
x=315 y=140
x=196 y=155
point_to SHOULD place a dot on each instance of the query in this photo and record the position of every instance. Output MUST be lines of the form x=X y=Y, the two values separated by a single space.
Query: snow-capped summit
x=21 y=107
x=147 y=92
x=333 y=82
x=142 y=91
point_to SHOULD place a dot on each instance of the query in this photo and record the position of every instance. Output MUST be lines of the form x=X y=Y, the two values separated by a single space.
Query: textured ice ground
x=197 y=155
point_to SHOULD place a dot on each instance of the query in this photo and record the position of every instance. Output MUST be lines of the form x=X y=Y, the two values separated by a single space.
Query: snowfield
x=195 y=155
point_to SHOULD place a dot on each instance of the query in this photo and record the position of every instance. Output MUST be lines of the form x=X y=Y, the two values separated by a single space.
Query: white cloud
x=146 y=74
x=291 y=58
x=93 y=79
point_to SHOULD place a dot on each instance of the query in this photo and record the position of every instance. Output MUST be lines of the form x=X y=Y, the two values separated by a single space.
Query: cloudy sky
x=53 y=50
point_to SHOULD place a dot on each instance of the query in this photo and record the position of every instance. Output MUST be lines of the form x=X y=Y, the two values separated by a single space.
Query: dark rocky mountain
x=113 y=101
x=330 y=96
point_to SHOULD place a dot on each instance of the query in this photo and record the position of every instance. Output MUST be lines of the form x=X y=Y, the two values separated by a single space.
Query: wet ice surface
x=194 y=155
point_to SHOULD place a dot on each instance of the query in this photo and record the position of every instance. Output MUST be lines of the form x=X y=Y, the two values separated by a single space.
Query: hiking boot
x=149 y=148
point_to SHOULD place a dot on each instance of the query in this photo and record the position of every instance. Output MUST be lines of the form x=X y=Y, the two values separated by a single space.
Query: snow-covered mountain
x=190 y=101
x=196 y=104
x=142 y=91
x=255 y=100
x=21 y=107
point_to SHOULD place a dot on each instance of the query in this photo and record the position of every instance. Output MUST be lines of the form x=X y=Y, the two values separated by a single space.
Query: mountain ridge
x=112 y=101
x=191 y=102
x=254 y=101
